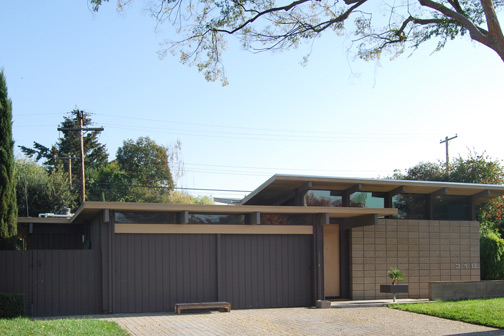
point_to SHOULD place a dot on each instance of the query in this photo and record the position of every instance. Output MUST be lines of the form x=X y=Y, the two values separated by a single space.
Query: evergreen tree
x=95 y=153
x=8 y=207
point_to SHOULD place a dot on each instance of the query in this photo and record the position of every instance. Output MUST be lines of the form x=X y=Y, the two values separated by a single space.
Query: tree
x=56 y=157
x=39 y=190
x=145 y=161
x=269 y=25
x=424 y=171
x=140 y=173
x=110 y=184
x=8 y=209
x=181 y=197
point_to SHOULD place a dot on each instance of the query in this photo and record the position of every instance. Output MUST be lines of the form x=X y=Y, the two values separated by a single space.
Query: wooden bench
x=226 y=306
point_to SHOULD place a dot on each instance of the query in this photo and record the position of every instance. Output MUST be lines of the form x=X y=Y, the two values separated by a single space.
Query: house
x=292 y=241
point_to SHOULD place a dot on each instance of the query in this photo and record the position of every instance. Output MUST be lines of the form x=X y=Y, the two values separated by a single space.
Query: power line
x=165 y=187
x=277 y=169
x=266 y=137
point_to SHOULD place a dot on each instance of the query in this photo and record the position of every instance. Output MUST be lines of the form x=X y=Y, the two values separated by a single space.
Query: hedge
x=12 y=305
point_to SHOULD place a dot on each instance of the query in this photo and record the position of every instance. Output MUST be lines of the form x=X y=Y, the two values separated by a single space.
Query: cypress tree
x=8 y=204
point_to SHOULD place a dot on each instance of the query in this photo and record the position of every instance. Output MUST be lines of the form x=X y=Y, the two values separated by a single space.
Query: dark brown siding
x=262 y=271
x=54 y=282
x=153 y=272
x=56 y=237
x=15 y=274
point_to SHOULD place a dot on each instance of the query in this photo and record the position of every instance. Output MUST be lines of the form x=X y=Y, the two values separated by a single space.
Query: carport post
x=318 y=256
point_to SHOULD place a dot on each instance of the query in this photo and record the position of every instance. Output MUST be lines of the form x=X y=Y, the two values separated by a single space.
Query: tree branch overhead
x=262 y=25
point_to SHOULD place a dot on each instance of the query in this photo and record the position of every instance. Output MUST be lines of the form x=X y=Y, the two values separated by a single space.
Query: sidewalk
x=344 y=318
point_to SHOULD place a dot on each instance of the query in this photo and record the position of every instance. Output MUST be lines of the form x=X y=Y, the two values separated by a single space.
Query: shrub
x=396 y=275
x=492 y=255
x=12 y=305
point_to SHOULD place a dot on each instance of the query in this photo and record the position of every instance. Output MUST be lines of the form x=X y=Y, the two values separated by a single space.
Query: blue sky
x=336 y=116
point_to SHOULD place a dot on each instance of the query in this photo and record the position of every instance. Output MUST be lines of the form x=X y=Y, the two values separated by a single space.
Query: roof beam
x=439 y=192
x=397 y=191
x=300 y=193
x=346 y=193
x=358 y=221
x=354 y=188
x=482 y=194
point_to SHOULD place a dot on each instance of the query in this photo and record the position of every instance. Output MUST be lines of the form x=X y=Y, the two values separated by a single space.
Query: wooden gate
x=155 y=271
x=54 y=282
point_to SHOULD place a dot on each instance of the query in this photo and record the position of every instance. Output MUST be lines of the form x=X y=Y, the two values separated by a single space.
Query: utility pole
x=69 y=158
x=446 y=140
x=81 y=130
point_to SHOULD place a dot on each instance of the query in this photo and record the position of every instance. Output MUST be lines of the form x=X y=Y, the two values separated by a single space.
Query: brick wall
x=424 y=250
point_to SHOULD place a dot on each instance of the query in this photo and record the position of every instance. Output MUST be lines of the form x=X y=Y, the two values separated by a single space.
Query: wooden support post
x=218 y=244
x=345 y=276
x=301 y=192
x=254 y=218
x=430 y=201
x=348 y=192
x=318 y=257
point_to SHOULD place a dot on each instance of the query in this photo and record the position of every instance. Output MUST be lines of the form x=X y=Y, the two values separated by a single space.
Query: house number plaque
x=466 y=266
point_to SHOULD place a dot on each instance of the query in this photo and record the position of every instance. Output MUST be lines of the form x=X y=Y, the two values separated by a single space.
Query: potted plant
x=396 y=275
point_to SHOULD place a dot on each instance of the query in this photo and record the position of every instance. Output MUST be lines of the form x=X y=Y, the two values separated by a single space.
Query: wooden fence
x=55 y=282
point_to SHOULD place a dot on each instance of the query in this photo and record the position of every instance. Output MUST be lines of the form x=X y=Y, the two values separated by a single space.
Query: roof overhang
x=90 y=210
x=281 y=187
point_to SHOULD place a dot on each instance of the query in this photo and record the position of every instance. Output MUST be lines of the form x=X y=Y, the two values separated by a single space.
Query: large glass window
x=201 y=218
x=366 y=200
x=322 y=198
x=410 y=206
x=285 y=219
x=131 y=217
x=451 y=208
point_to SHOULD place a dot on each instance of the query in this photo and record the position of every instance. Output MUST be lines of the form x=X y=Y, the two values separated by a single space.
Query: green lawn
x=26 y=326
x=487 y=312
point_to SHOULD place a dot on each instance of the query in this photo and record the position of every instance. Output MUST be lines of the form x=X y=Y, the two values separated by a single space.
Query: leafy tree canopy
x=140 y=173
x=39 y=190
x=280 y=25
x=145 y=161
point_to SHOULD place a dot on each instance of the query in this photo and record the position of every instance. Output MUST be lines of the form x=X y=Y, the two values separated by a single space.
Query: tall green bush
x=8 y=209
x=492 y=255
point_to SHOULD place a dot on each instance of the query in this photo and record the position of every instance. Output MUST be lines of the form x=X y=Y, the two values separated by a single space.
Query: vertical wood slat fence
x=54 y=282
x=153 y=272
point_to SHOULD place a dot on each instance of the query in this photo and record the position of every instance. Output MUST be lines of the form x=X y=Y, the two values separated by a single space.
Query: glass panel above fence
x=366 y=200
x=451 y=208
x=322 y=198
x=410 y=206
x=286 y=219
x=131 y=217
x=201 y=218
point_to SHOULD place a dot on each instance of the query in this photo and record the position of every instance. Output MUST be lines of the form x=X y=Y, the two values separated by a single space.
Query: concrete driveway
x=341 y=319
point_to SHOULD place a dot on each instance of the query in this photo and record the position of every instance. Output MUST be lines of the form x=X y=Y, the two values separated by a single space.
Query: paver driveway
x=298 y=321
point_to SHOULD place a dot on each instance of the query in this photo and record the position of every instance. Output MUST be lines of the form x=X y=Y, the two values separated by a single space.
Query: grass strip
x=486 y=312
x=27 y=326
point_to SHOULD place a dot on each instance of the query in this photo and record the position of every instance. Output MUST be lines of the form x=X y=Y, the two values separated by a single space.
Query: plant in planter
x=396 y=275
